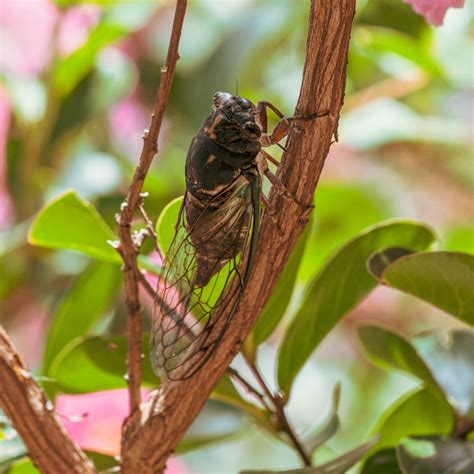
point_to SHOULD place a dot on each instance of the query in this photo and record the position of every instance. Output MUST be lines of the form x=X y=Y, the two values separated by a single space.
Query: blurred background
x=77 y=84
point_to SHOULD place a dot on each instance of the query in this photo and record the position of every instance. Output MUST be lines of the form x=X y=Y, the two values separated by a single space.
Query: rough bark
x=33 y=416
x=169 y=412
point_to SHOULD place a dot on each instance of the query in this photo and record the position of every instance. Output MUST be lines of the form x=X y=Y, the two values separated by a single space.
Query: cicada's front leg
x=280 y=131
x=282 y=128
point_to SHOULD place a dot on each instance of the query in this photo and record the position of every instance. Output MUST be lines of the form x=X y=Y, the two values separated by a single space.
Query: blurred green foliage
x=405 y=152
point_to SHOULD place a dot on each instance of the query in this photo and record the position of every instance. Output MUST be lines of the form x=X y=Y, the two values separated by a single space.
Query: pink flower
x=127 y=121
x=94 y=421
x=434 y=10
x=6 y=205
x=75 y=27
x=26 y=30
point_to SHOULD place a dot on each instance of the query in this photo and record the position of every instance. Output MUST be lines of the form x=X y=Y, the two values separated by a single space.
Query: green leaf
x=101 y=461
x=436 y=456
x=451 y=360
x=70 y=222
x=23 y=466
x=444 y=279
x=338 y=465
x=389 y=351
x=377 y=40
x=69 y=71
x=379 y=261
x=418 y=413
x=338 y=287
x=277 y=304
x=88 y=300
x=334 y=226
x=346 y=461
x=384 y=461
x=166 y=224
x=459 y=239
x=96 y=363
x=329 y=428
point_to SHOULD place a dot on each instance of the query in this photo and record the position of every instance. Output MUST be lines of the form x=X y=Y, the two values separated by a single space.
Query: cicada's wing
x=204 y=274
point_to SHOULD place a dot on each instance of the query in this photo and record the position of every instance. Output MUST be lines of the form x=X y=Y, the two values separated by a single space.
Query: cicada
x=208 y=263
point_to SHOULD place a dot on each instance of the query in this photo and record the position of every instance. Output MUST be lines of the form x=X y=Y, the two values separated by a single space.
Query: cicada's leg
x=270 y=158
x=272 y=213
x=282 y=128
x=262 y=165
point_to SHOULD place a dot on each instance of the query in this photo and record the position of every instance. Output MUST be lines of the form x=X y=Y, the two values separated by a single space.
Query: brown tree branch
x=167 y=415
x=32 y=414
x=127 y=249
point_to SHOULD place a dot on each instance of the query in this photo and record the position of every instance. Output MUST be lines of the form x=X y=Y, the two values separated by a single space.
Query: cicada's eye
x=220 y=98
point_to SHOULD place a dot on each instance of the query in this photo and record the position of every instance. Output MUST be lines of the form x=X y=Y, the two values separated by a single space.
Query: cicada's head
x=232 y=123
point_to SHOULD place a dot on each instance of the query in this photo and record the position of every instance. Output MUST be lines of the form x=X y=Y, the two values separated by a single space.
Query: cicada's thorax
x=218 y=195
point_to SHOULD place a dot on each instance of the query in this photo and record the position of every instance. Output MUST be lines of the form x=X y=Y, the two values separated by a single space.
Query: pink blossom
x=127 y=121
x=29 y=324
x=434 y=10
x=6 y=205
x=26 y=30
x=94 y=421
x=75 y=27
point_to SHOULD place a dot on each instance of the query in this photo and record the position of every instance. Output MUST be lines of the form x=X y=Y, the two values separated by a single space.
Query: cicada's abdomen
x=218 y=229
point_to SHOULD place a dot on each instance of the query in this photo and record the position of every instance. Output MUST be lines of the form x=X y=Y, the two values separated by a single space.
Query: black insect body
x=219 y=171
x=209 y=260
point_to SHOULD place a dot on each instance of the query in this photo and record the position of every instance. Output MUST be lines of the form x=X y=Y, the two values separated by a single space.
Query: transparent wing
x=204 y=274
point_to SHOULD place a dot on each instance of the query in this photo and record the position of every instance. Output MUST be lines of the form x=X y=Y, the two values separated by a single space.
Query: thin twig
x=279 y=411
x=140 y=277
x=129 y=207
x=151 y=230
x=146 y=284
x=249 y=388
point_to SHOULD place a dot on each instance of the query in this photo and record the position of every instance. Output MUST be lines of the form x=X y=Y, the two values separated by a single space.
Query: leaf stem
x=250 y=388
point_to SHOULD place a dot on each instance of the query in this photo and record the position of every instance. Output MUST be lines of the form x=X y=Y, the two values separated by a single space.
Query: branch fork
x=154 y=428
